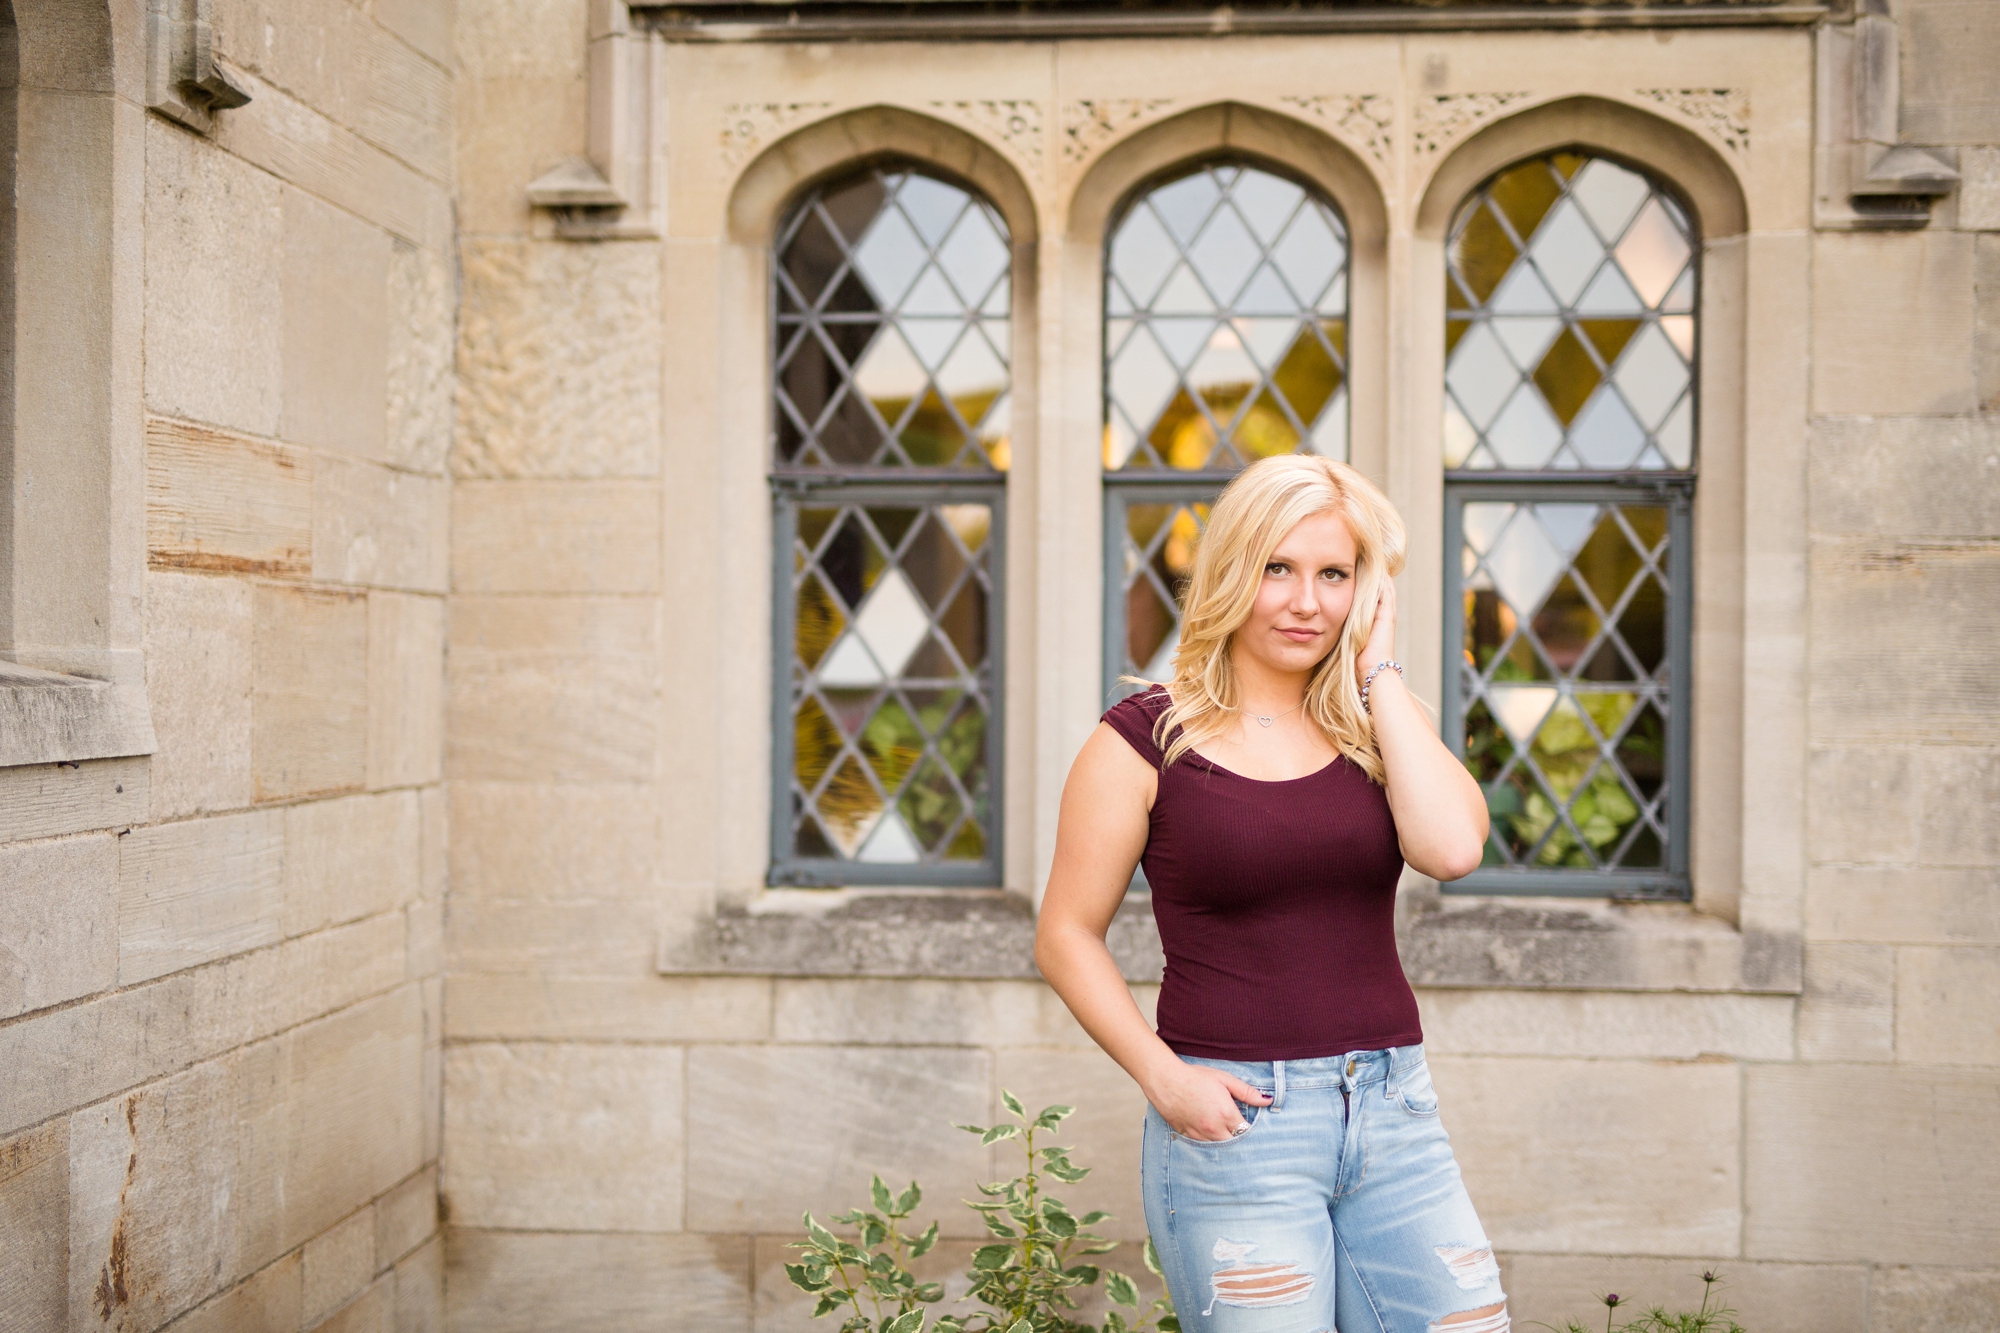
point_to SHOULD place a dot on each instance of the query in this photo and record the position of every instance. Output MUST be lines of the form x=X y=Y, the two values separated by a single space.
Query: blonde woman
x=1295 y=1174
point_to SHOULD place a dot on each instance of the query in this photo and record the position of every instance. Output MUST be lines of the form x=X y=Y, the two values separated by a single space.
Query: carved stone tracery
x=748 y=126
x=1367 y=120
x=1724 y=113
x=1442 y=119
x=1015 y=123
x=1088 y=125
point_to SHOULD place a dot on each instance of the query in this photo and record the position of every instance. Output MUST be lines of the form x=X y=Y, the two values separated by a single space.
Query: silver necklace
x=1265 y=720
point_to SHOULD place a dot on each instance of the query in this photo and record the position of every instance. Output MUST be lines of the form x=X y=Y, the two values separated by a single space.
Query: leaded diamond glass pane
x=890 y=683
x=1226 y=336
x=1157 y=546
x=1562 y=680
x=890 y=300
x=1569 y=333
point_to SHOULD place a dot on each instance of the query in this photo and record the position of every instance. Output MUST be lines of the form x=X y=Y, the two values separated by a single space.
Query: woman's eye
x=1275 y=568
x=1334 y=575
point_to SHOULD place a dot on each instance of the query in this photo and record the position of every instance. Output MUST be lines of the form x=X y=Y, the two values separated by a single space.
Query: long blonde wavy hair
x=1265 y=502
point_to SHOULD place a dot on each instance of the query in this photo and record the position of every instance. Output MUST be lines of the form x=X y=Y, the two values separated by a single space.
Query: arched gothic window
x=1569 y=442
x=890 y=302
x=1225 y=341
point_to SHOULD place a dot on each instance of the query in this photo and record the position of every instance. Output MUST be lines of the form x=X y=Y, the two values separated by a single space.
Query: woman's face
x=1304 y=598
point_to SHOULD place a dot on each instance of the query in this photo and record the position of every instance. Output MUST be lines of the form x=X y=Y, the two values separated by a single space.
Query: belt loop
x=1278 y=1081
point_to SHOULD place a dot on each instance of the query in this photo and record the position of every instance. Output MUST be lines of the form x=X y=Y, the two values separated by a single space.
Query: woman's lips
x=1300 y=635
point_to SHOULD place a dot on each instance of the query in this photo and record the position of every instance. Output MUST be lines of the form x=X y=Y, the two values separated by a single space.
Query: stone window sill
x=49 y=717
x=1546 y=944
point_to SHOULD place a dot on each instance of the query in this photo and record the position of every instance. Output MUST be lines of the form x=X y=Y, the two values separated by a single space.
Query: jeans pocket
x=1415 y=1092
x=1251 y=1115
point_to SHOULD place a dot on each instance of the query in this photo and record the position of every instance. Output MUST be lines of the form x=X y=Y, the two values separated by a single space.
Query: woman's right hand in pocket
x=1198 y=1102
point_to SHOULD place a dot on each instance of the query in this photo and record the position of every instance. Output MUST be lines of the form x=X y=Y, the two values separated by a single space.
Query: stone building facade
x=395 y=928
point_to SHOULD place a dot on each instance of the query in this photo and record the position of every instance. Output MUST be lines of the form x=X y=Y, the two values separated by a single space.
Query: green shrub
x=1718 y=1318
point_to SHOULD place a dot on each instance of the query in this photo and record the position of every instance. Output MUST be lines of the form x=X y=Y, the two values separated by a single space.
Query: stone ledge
x=53 y=716
x=1531 y=944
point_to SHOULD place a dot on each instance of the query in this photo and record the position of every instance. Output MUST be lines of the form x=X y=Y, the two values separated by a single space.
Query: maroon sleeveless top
x=1276 y=903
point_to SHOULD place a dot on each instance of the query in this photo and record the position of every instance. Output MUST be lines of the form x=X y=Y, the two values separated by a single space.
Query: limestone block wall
x=221 y=965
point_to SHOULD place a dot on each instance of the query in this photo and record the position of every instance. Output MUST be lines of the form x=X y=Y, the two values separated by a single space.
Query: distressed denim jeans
x=1339 y=1208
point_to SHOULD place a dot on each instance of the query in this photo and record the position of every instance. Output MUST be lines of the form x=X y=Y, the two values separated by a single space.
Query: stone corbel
x=1869 y=178
x=619 y=190
x=183 y=80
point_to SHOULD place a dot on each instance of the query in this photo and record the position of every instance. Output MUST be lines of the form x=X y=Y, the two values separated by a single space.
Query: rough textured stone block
x=266 y=1302
x=1951 y=50
x=1629 y=1024
x=437 y=843
x=1979 y=190
x=420 y=1290
x=1104 y=1133
x=512 y=129
x=58 y=921
x=220 y=501
x=556 y=1008
x=514 y=1282
x=406 y=1217
x=424 y=24
x=562 y=689
x=570 y=1138
x=350 y=858
x=556 y=536
x=198 y=657
x=1903 y=906
x=516 y=840
x=879 y=1011
x=1931 y=1300
x=1948 y=1005
x=49 y=800
x=376 y=527
x=1925 y=1136
x=805 y=1128
x=1868 y=600
x=309 y=714
x=1892 y=323
x=405 y=689
x=338 y=1264
x=425 y=939
x=423 y=315
x=1861 y=805
x=1960 y=793
x=559 y=360
x=199 y=890
x=1643 y=1156
x=373 y=1311
x=603 y=938
x=34 y=1229
x=1848 y=1009
x=1986 y=320
x=336 y=290
x=212 y=291
x=1770 y=1298
x=1906 y=476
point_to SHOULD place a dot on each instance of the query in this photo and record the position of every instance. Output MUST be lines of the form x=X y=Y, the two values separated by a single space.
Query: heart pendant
x=1265 y=721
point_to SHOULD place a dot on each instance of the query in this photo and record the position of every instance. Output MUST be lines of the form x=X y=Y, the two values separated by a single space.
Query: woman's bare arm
x=1106 y=806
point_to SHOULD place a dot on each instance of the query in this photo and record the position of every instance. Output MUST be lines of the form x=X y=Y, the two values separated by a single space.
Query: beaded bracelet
x=1369 y=679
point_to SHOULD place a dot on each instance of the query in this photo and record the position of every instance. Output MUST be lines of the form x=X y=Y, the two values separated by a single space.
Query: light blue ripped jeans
x=1339 y=1208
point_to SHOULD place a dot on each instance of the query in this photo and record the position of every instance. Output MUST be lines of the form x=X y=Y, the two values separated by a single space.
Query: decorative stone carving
x=1016 y=124
x=1442 y=119
x=183 y=82
x=620 y=189
x=748 y=126
x=1088 y=125
x=1722 y=113
x=1364 y=119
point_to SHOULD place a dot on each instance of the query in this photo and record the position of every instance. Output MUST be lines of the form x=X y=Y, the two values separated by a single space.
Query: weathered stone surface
x=1948 y=1005
x=1903 y=906
x=559 y=360
x=1600 y=1025
x=557 y=1008
x=1848 y=1009
x=437 y=843
x=930 y=1013
x=338 y=1264
x=564 y=1137
x=1782 y=1298
x=512 y=130
x=425 y=938
x=336 y=288
x=806 y=1127
x=1960 y=793
x=515 y=1282
x=1986 y=320
x=423 y=318
x=1979 y=190
x=220 y=501
x=1892 y=322
x=1643 y=1156
x=562 y=689
x=77 y=1055
x=266 y=1302
x=556 y=536
x=309 y=719
x=1104 y=1133
x=598 y=938
x=196 y=891
x=425 y=24
x=213 y=242
x=432 y=990
x=373 y=1311
x=1925 y=1137
x=374 y=526
x=406 y=1217
x=34 y=1229
x=1927 y=477
x=405 y=689
x=49 y=800
x=519 y=840
x=1950 y=53
x=420 y=1290
x=350 y=858
x=58 y=921
x=1861 y=805
x=198 y=655
x=1931 y=1300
